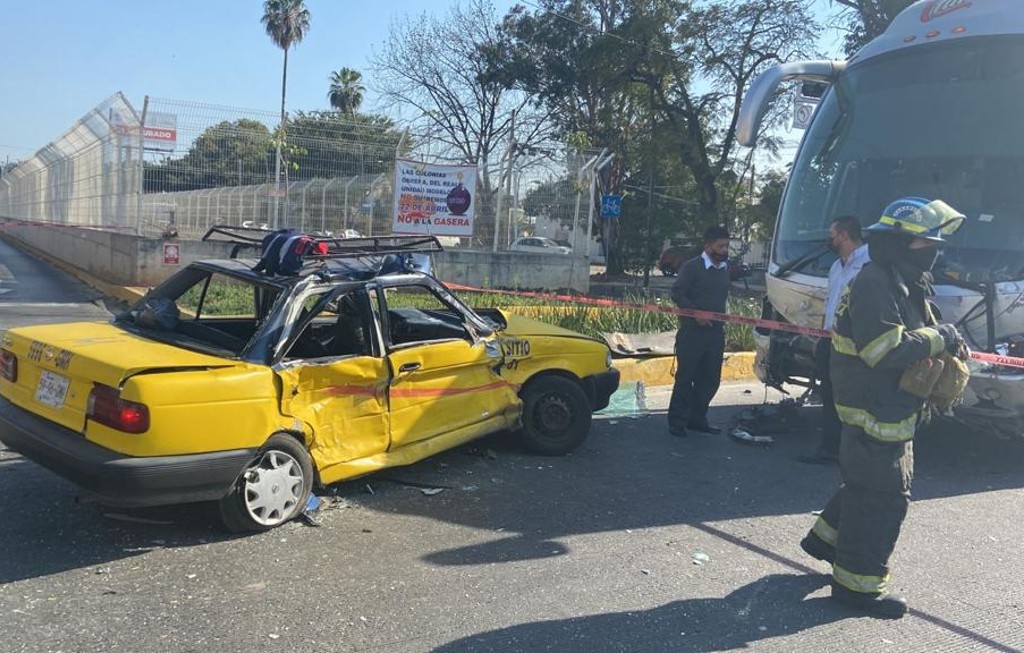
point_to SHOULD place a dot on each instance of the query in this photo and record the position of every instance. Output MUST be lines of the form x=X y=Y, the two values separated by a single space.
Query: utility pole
x=650 y=215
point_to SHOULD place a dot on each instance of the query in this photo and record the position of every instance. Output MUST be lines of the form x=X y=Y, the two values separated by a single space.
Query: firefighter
x=883 y=326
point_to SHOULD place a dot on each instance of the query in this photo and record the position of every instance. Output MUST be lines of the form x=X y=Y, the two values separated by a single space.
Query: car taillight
x=108 y=408
x=8 y=365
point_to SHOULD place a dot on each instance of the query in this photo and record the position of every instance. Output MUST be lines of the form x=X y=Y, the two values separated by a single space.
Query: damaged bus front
x=931 y=108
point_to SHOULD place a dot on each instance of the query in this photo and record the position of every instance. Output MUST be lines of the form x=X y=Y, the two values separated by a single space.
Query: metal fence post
x=142 y=167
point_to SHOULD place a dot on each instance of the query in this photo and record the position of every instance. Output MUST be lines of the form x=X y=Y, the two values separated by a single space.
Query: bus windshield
x=940 y=121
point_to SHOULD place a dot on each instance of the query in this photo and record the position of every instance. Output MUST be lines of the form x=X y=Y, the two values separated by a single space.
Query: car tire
x=668 y=272
x=272 y=489
x=556 y=415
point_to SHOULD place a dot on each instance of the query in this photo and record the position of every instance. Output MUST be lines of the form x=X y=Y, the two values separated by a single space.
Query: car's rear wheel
x=272 y=489
x=556 y=415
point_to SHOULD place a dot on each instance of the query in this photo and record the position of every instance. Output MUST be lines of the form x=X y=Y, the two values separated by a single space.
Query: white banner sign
x=434 y=199
x=160 y=133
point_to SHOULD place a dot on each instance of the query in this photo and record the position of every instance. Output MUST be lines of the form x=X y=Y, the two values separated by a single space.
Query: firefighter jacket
x=882 y=326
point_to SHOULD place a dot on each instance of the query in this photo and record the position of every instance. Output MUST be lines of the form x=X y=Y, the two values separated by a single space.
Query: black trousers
x=863 y=519
x=699 y=352
x=830 y=425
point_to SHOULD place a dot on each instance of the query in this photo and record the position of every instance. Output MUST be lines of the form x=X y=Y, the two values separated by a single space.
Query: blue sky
x=60 y=58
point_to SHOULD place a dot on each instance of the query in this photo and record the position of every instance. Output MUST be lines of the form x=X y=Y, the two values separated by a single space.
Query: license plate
x=52 y=389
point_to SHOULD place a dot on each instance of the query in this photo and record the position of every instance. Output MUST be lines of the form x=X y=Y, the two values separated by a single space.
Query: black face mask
x=921 y=259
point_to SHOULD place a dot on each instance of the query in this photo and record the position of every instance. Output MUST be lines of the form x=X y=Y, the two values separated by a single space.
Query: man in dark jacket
x=703 y=284
x=883 y=325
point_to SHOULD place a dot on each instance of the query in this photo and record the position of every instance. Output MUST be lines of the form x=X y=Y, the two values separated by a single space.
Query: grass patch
x=597 y=320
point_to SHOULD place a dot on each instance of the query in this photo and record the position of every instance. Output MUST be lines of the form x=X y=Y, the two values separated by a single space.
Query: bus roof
x=930 y=21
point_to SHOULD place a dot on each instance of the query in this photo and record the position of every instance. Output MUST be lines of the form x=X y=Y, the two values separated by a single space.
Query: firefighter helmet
x=920 y=218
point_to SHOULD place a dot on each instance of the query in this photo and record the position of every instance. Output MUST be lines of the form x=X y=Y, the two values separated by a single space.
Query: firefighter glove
x=951 y=337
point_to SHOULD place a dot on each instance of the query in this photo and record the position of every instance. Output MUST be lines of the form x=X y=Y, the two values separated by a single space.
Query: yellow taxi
x=229 y=384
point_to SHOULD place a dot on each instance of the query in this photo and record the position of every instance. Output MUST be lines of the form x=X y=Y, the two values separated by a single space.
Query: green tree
x=8 y=166
x=335 y=144
x=433 y=66
x=867 y=19
x=234 y=153
x=286 y=23
x=346 y=90
x=660 y=82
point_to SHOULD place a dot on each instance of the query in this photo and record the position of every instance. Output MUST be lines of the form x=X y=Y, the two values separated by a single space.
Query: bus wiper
x=801 y=261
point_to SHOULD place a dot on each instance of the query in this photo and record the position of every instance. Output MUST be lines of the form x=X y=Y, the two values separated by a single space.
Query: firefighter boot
x=887 y=606
x=818 y=548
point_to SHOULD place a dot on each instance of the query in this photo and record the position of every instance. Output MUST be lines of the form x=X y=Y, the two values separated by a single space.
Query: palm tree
x=346 y=91
x=286 y=22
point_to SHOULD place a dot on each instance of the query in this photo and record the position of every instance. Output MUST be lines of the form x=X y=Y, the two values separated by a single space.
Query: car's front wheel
x=272 y=489
x=556 y=415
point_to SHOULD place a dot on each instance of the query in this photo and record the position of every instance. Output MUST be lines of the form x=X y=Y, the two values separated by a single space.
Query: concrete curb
x=736 y=366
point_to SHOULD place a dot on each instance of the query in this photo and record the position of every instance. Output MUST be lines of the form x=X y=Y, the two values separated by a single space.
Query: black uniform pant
x=864 y=517
x=699 y=352
x=830 y=425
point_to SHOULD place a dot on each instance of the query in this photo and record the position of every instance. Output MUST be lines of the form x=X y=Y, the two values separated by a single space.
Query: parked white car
x=539 y=245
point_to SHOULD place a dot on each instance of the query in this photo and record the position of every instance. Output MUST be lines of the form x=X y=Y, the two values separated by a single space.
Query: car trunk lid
x=59 y=364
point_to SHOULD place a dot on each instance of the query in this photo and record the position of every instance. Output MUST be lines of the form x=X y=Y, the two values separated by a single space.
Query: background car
x=673 y=257
x=539 y=245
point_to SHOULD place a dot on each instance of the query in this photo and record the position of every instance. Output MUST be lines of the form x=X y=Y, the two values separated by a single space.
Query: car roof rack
x=252 y=238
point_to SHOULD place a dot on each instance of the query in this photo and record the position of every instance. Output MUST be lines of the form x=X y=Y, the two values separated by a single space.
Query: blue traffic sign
x=611 y=206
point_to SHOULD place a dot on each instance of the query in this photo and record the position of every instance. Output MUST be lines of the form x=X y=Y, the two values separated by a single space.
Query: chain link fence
x=89 y=176
x=175 y=168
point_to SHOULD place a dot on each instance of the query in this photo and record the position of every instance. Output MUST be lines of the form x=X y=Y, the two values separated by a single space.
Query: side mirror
x=762 y=89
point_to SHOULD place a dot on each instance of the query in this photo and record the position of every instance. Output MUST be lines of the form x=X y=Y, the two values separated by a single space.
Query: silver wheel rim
x=273 y=487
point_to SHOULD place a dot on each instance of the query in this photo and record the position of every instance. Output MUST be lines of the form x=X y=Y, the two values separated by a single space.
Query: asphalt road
x=637 y=542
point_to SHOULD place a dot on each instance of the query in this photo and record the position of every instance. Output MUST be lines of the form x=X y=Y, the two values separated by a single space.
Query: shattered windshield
x=936 y=121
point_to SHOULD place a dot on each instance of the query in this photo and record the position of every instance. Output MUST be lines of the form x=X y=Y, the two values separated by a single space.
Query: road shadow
x=630 y=474
x=772 y=606
x=47 y=530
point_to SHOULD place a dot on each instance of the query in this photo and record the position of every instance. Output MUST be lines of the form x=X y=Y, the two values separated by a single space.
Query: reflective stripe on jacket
x=882 y=326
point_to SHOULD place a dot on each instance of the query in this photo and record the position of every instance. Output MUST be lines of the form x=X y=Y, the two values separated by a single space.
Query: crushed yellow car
x=229 y=384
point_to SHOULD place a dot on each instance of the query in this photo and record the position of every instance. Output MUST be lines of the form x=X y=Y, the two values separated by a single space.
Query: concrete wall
x=128 y=260
x=517 y=270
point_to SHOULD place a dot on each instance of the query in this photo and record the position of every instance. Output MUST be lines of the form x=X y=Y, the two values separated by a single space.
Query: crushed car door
x=334 y=379
x=444 y=376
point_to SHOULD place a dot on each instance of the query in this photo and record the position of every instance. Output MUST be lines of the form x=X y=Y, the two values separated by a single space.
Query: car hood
x=519 y=325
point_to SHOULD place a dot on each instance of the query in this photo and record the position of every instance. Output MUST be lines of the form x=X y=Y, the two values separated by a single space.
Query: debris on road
x=744 y=436
x=309 y=513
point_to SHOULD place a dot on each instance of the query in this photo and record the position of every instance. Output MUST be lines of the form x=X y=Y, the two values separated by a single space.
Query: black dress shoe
x=704 y=428
x=816 y=547
x=678 y=432
x=887 y=606
x=819 y=458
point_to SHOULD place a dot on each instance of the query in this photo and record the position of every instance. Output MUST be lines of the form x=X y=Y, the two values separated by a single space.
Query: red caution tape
x=774 y=325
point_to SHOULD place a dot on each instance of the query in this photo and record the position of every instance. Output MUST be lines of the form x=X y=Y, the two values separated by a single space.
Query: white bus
x=934 y=107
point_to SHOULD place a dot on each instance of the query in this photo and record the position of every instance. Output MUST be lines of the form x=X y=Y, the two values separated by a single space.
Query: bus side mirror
x=762 y=90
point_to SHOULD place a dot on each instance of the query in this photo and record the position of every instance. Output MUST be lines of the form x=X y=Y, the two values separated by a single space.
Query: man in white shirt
x=845 y=240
